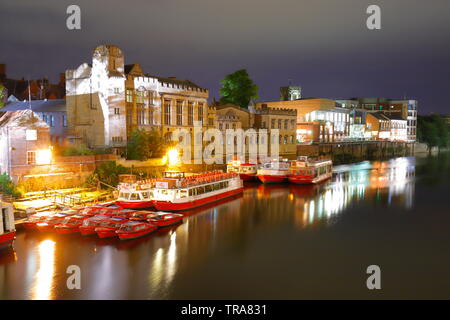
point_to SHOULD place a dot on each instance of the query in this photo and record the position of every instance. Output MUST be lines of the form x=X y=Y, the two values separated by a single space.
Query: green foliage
x=79 y=150
x=2 y=95
x=7 y=186
x=433 y=131
x=144 y=145
x=238 y=88
x=107 y=172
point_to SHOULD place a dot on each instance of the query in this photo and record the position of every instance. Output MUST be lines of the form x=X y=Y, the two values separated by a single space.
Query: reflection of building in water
x=383 y=182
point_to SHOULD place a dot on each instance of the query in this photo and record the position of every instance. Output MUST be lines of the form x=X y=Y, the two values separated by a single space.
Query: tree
x=433 y=131
x=108 y=172
x=144 y=145
x=2 y=95
x=238 y=88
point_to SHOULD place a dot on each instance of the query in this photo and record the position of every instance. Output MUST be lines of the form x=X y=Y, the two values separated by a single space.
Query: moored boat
x=71 y=224
x=30 y=223
x=178 y=192
x=246 y=171
x=135 y=194
x=107 y=228
x=275 y=171
x=51 y=222
x=135 y=229
x=165 y=219
x=7 y=225
x=87 y=228
x=307 y=171
x=142 y=216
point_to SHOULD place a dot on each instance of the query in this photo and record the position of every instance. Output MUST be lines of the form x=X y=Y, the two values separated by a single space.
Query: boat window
x=183 y=193
x=134 y=196
x=145 y=195
x=124 y=195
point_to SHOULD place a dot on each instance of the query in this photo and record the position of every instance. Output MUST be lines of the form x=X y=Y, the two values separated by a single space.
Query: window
x=116 y=90
x=31 y=135
x=167 y=112
x=31 y=157
x=44 y=118
x=117 y=139
x=210 y=121
x=150 y=116
x=116 y=110
x=151 y=98
x=286 y=123
x=129 y=97
x=64 y=120
x=200 y=112
x=129 y=115
x=52 y=121
x=272 y=125
x=190 y=113
x=140 y=96
x=279 y=123
x=140 y=115
x=179 y=113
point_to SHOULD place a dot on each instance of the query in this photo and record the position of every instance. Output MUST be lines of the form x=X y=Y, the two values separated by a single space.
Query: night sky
x=322 y=45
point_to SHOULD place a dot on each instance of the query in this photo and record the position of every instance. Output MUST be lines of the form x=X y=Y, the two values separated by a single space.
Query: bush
x=79 y=150
x=107 y=172
x=7 y=186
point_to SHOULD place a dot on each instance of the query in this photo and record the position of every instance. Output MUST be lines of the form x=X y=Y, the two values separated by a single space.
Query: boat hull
x=247 y=177
x=7 y=239
x=29 y=226
x=135 y=204
x=166 y=223
x=66 y=230
x=87 y=231
x=45 y=228
x=187 y=205
x=136 y=234
x=265 y=178
x=103 y=233
x=298 y=179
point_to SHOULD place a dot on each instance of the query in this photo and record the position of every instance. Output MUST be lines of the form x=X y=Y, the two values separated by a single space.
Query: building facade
x=107 y=100
x=24 y=143
x=52 y=112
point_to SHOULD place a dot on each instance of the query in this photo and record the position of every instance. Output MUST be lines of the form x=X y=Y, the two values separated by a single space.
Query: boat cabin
x=6 y=218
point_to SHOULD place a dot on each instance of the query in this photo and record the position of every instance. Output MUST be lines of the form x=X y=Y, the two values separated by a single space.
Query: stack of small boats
x=103 y=221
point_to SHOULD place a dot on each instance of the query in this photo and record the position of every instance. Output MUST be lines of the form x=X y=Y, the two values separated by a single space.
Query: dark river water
x=273 y=242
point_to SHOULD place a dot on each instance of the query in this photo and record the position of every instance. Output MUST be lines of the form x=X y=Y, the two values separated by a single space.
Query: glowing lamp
x=43 y=156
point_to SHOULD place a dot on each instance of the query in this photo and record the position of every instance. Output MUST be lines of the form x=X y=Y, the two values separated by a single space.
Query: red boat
x=135 y=194
x=7 y=225
x=275 y=171
x=134 y=229
x=166 y=219
x=307 y=171
x=92 y=210
x=177 y=192
x=30 y=223
x=71 y=224
x=142 y=216
x=51 y=222
x=108 y=227
x=246 y=171
x=88 y=226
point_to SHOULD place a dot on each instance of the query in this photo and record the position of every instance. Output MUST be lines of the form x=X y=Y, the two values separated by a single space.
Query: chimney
x=2 y=71
x=62 y=79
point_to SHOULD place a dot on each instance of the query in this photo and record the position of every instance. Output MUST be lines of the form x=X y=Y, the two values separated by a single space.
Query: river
x=273 y=242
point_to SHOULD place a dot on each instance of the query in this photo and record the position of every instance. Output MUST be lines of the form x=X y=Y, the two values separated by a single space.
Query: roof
x=393 y=116
x=58 y=105
x=22 y=118
x=379 y=116
x=173 y=80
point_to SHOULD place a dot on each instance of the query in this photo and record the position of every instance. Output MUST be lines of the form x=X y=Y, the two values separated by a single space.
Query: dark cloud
x=322 y=45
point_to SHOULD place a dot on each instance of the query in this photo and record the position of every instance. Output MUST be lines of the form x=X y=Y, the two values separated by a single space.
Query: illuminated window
x=31 y=157
x=150 y=116
x=129 y=96
x=64 y=120
x=140 y=96
x=200 y=112
x=167 y=112
x=151 y=97
x=179 y=112
x=116 y=111
x=190 y=113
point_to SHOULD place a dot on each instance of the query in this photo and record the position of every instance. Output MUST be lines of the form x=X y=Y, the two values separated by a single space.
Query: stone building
x=107 y=100
x=290 y=93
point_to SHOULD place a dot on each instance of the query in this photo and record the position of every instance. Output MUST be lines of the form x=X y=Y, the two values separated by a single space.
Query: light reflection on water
x=177 y=262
